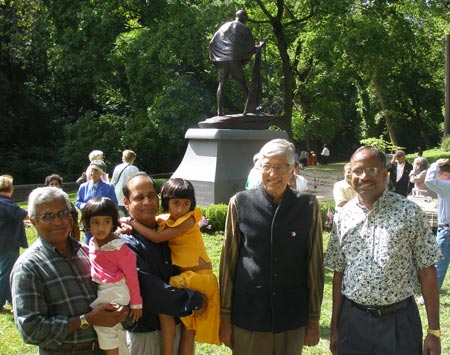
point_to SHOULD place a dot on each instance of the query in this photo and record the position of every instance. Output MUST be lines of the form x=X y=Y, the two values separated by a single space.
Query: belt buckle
x=374 y=311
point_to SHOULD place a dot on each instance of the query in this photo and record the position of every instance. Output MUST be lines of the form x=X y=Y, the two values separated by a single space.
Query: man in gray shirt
x=121 y=174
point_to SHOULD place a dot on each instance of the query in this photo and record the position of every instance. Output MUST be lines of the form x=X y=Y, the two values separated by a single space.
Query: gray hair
x=255 y=159
x=277 y=147
x=95 y=154
x=42 y=195
x=422 y=163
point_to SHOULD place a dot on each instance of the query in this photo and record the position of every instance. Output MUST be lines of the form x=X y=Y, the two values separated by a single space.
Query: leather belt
x=444 y=225
x=379 y=311
x=68 y=347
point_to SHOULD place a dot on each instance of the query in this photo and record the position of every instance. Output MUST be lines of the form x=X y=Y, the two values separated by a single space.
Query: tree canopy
x=115 y=74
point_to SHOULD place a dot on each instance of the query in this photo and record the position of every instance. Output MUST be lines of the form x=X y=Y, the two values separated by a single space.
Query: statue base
x=239 y=121
x=217 y=161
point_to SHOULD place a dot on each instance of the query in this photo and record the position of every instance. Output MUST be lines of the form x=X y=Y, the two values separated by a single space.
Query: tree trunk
x=367 y=120
x=383 y=108
x=447 y=86
x=422 y=127
x=288 y=76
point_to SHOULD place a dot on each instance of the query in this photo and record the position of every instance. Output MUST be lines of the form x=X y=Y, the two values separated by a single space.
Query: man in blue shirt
x=94 y=187
x=438 y=180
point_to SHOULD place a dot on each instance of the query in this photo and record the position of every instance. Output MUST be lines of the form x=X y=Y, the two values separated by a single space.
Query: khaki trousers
x=247 y=342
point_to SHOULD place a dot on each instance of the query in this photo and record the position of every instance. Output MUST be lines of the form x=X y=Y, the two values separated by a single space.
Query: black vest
x=271 y=285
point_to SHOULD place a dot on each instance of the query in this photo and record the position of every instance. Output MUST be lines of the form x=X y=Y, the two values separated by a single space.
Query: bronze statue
x=231 y=47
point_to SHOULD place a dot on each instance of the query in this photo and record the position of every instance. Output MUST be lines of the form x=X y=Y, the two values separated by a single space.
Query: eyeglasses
x=50 y=217
x=358 y=172
x=277 y=168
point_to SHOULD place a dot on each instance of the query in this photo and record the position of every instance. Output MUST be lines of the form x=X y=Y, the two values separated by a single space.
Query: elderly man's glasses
x=358 y=172
x=277 y=168
x=50 y=217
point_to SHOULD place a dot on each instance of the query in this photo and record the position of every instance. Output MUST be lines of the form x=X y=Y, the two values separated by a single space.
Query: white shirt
x=301 y=183
x=400 y=168
x=325 y=152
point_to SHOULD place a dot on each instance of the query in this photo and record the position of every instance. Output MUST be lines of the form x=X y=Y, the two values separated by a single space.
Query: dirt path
x=323 y=177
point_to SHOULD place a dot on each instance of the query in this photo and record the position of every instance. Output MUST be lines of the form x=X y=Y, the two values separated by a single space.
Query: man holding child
x=154 y=270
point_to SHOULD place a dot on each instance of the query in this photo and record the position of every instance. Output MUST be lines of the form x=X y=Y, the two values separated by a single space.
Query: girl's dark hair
x=177 y=188
x=100 y=206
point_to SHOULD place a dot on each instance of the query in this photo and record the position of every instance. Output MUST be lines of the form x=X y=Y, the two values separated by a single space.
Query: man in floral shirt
x=382 y=252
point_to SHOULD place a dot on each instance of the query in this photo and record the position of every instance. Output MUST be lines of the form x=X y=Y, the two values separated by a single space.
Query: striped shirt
x=47 y=289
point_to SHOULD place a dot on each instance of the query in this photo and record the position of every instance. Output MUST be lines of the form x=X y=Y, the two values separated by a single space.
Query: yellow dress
x=186 y=250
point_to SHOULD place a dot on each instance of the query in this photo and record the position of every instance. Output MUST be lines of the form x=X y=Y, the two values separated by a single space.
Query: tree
x=286 y=19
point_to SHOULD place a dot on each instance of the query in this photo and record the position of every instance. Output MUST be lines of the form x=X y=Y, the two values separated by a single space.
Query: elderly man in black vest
x=271 y=268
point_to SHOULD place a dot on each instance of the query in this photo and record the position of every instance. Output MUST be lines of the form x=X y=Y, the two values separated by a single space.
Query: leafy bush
x=431 y=155
x=381 y=144
x=159 y=183
x=445 y=144
x=215 y=216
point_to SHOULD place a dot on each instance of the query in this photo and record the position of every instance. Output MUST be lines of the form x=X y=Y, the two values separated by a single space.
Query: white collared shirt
x=400 y=169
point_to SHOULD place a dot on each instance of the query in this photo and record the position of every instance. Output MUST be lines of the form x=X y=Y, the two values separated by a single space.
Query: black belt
x=68 y=347
x=443 y=225
x=379 y=311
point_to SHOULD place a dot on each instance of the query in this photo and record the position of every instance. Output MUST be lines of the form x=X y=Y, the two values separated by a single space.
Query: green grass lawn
x=11 y=343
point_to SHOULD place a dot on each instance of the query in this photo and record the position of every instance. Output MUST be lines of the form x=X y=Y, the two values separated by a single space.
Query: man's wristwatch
x=83 y=322
x=435 y=332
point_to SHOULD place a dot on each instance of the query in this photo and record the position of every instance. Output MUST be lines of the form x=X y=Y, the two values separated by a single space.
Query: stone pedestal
x=217 y=161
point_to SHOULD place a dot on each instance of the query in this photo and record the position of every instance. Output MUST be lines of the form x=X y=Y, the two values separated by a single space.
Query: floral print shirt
x=380 y=251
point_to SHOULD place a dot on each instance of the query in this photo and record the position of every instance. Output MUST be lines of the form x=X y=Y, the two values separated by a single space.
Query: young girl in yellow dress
x=189 y=255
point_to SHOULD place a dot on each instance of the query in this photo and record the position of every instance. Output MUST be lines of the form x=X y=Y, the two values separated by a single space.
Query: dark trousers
x=7 y=261
x=397 y=333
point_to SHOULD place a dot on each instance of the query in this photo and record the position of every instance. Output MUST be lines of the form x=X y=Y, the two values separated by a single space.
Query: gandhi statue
x=231 y=47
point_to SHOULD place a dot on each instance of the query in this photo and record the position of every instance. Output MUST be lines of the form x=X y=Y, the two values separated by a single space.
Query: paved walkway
x=324 y=182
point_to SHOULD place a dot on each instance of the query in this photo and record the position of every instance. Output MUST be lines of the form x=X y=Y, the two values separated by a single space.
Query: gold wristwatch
x=83 y=322
x=435 y=332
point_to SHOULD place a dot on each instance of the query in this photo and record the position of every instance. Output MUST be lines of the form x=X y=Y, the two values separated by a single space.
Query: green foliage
x=380 y=143
x=141 y=69
x=445 y=144
x=159 y=183
x=89 y=132
x=216 y=216
x=431 y=155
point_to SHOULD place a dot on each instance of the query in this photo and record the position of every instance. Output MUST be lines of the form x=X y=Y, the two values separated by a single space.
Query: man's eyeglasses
x=50 y=217
x=277 y=168
x=358 y=172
